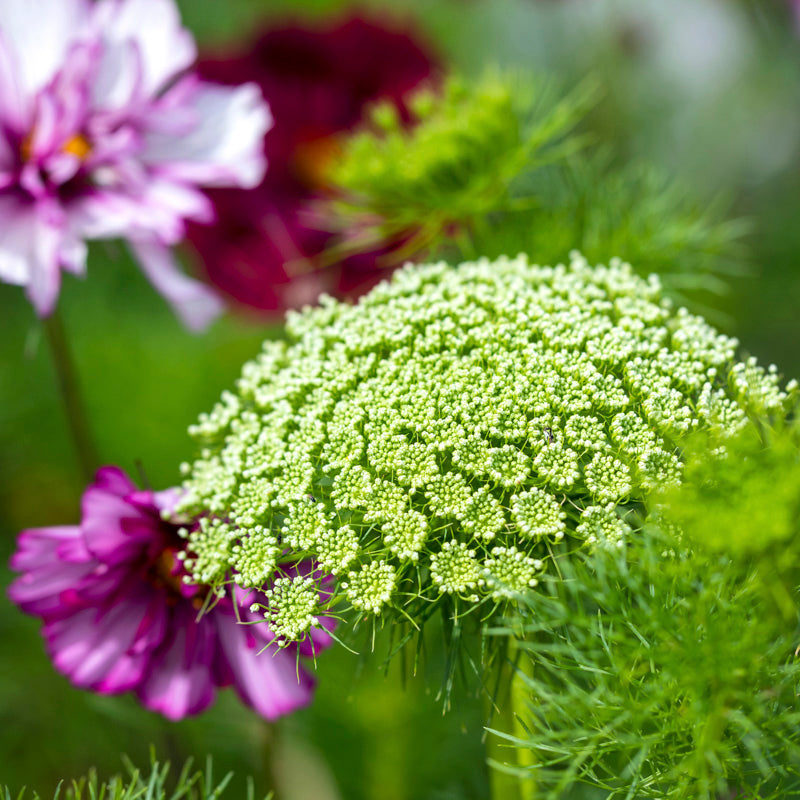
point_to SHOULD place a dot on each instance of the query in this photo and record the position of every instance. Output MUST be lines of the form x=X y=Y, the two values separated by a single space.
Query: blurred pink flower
x=104 y=134
x=262 y=251
x=118 y=616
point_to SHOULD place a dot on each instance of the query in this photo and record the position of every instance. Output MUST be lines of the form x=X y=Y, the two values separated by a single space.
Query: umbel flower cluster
x=446 y=436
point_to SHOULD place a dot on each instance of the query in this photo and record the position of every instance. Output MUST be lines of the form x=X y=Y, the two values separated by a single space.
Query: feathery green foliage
x=742 y=499
x=470 y=143
x=155 y=785
x=670 y=670
x=499 y=165
x=591 y=203
x=435 y=445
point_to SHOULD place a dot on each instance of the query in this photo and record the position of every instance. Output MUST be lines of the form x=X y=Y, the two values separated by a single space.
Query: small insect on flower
x=105 y=133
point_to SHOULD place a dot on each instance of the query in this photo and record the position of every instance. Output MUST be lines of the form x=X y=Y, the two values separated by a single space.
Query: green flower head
x=441 y=440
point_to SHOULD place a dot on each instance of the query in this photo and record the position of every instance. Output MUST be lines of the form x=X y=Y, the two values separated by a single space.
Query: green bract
x=444 y=436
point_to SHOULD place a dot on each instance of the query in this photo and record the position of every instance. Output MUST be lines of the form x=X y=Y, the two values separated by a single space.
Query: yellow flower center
x=77 y=145
x=164 y=572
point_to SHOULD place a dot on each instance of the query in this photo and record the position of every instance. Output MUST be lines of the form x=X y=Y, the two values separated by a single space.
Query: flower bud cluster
x=509 y=572
x=443 y=435
x=291 y=607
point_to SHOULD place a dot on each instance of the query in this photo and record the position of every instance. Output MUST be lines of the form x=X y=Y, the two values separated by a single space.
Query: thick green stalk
x=71 y=395
x=507 y=708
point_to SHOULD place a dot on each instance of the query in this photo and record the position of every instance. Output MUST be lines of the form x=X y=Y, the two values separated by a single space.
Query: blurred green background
x=708 y=90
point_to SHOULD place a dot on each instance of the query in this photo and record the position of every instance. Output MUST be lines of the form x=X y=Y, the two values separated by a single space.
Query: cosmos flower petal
x=194 y=302
x=15 y=105
x=104 y=530
x=166 y=47
x=101 y=587
x=54 y=561
x=108 y=652
x=38 y=546
x=224 y=149
x=6 y=163
x=73 y=254
x=114 y=480
x=155 y=210
x=40 y=32
x=44 y=279
x=178 y=200
x=61 y=110
x=180 y=681
x=273 y=683
x=33 y=238
x=165 y=499
x=109 y=214
x=118 y=81
x=15 y=241
x=49 y=592
x=129 y=669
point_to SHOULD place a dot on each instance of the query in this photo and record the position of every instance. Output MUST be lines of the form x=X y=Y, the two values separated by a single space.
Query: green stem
x=172 y=746
x=71 y=395
x=269 y=744
x=520 y=701
x=507 y=706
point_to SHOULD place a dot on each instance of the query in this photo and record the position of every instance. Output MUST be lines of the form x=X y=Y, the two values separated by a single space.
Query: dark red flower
x=261 y=251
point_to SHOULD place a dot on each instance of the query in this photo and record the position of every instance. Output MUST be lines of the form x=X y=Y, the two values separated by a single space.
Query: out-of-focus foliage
x=671 y=670
x=157 y=784
x=741 y=498
x=453 y=166
x=632 y=210
x=501 y=165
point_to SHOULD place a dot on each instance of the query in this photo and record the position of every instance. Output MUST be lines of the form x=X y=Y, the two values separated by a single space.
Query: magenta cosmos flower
x=118 y=617
x=104 y=134
x=262 y=251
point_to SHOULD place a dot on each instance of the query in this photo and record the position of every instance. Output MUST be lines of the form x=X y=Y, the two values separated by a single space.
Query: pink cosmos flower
x=105 y=134
x=118 y=616
x=261 y=250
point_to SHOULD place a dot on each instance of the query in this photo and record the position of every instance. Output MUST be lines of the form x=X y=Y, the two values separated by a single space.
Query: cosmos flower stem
x=171 y=743
x=268 y=738
x=71 y=397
